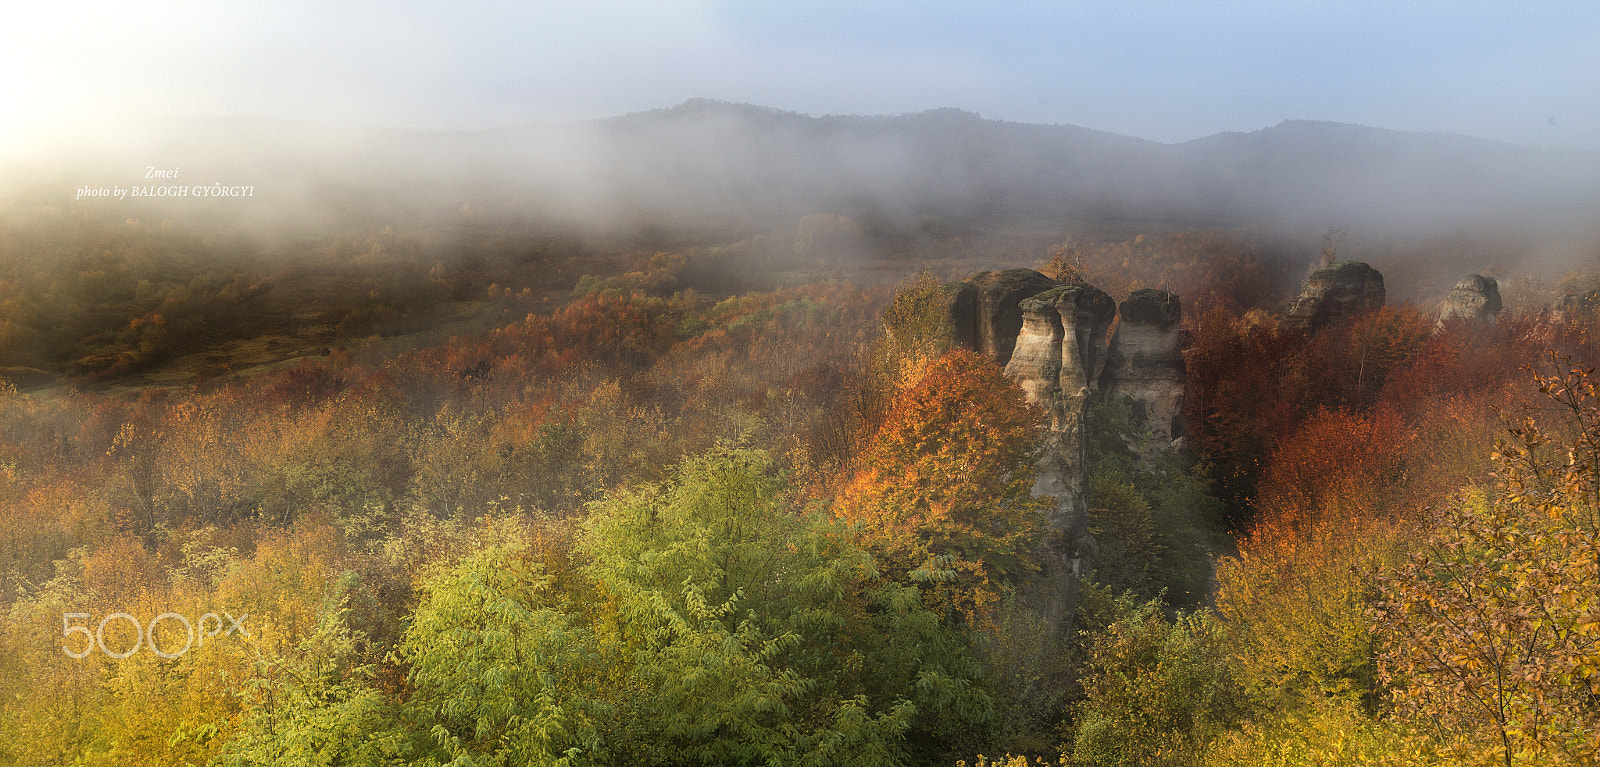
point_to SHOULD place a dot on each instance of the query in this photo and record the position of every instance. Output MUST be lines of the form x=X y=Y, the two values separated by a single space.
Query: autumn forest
x=486 y=489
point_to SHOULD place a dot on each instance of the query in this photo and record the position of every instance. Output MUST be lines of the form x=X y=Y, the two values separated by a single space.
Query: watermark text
x=144 y=635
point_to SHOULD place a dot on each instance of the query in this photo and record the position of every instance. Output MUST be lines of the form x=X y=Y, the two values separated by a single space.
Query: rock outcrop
x=998 y=299
x=1334 y=293
x=1474 y=299
x=1060 y=353
x=1145 y=364
x=1052 y=339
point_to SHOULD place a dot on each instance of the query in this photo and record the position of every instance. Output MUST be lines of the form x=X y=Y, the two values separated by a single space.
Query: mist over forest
x=722 y=435
x=753 y=167
x=782 y=195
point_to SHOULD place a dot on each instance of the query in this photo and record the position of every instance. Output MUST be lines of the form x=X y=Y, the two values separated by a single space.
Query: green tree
x=916 y=323
x=1157 y=691
x=757 y=635
x=1151 y=512
x=314 y=704
x=498 y=671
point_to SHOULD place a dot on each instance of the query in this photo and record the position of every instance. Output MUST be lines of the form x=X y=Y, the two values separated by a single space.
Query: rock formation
x=1145 y=364
x=961 y=304
x=1051 y=338
x=1059 y=354
x=998 y=296
x=1334 y=293
x=1476 y=298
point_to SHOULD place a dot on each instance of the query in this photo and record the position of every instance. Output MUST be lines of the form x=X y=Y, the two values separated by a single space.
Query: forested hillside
x=495 y=492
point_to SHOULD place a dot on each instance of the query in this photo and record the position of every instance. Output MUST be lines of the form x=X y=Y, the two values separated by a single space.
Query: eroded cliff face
x=1333 y=294
x=1474 y=299
x=1060 y=353
x=1145 y=364
x=1052 y=339
x=997 y=300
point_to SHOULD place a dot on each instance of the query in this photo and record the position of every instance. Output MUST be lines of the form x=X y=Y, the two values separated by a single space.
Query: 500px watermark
x=145 y=634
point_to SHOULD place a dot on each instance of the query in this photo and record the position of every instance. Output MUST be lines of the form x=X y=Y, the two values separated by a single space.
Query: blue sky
x=1526 y=72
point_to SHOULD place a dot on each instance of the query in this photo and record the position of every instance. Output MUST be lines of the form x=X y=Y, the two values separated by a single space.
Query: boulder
x=1474 y=299
x=1145 y=364
x=1334 y=293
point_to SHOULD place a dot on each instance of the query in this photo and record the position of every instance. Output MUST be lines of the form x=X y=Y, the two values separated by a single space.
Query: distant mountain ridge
x=706 y=159
x=1296 y=171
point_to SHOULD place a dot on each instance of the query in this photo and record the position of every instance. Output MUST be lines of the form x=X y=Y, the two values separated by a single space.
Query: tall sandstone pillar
x=1052 y=340
x=997 y=297
x=1059 y=355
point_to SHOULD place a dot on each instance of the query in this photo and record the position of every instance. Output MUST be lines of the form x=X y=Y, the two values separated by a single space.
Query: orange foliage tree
x=1348 y=364
x=942 y=492
x=1251 y=382
x=1233 y=403
x=1338 y=463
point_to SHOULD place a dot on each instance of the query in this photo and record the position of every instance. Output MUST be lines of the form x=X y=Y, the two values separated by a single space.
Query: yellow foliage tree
x=1492 y=631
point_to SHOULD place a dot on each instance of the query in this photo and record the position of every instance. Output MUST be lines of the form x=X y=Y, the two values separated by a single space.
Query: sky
x=1526 y=72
